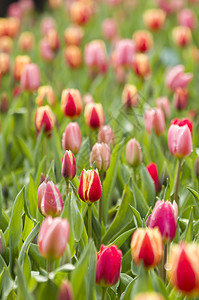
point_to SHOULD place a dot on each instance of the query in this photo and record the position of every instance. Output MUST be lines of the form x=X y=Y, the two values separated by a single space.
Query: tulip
x=164 y=104
x=88 y=98
x=4 y=63
x=165 y=217
x=45 y=92
x=45 y=50
x=6 y=44
x=20 y=62
x=149 y=296
x=73 y=57
x=143 y=40
x=170 y=6
x=182 y=36
x=53 y=39
x=71 y=138
x=30 y=77
x=153 y=171
x=106 y=135
x=109 y=29
x=71 y=103
x=66 y=291
x=44 y=117
x=53 y=237
x=12 y=26
x=68 y=165
x=47 y=24
x=14 y=10
x=176 y=78
x=179 y=140
x=95 y=56
x=26 y=5
x=80 y=12
x=73 y=35
x=100 y=156
x=94 y=115
x=130 y=96
x=154 y=120
x=124 y=52
x=26 y=41
x=147 y=246
x=180 y=98
x=154 y=19
x=49 y=199
x=187 y=18
x=108 y=266
x=183 y=269
x=141 y=65
x=54 y=4
x=133 y=153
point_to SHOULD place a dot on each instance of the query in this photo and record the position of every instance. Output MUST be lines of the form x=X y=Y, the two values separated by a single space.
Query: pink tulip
x=106 y=135
x=109 y=29
x=165 y=217
x=30 y=78
x=14 y=10
x=68 y=165
x=154 y=120
x=123 y=53
x=95 y=56
x=100 y=156
x=176 y=78
x=180 y=98
x=47 y=24
x=179 y=141
x=66 y=291
x=133 y=153
x=183 y=122
x=169 y=5
x=187 y=18
x=45 y=50
x=164 y=104
x=71 y=138
x=53 y=237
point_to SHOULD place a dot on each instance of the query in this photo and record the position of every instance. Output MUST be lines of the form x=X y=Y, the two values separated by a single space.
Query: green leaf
x=35 y=256
x=148 y=187
x=6 y=284
x=40 y=169
x=36 y=155
x=25 y=149
x=141 y=203
x=137 y=216
x=119 y=241
x=56 y=147
x=32 y=198
x=83 y=156
x=189 y=229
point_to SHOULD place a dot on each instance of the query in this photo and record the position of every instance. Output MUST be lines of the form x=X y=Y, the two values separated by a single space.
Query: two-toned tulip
x=154 y=120
x=53 y=237
x=153 y=171
x=71 y=103
x=45 y=93
x=95 y=56
x=124 y=52
x=49 y=199
x=30 y=77
x=147 y=247
x=71 y=138
x=141 y=65
x=47 y=24
x=44 y=117
x=130 y=96
x=94 y=115
x=53 y=39
x=108 y=265
x=73 y=35
x=73 y=56
x=149 y=296
x=106 y=135
x=181 y=36
x=164 y=216
x=154 y=19
x=133 y=153
x=186 y=17
x=177 y=78
x=180 y=98
x=26 y=41
x=164 y=104
x=100 y=156
x=6 y=44
x=4 y=63
x=143 y=40
x=68 y=165
x=20 y=62
x=80 y=12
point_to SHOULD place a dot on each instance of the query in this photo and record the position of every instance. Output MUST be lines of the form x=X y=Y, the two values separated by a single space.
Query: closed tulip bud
x=196 y=167
x=108 y=266
x=180 y=98
x=20 y=62
x=47 y=24
x=149 y=296
x=143 y=40
x=153 y=171
x=106 y=135
x=154 y=19
x=176 y=78
x=187 y=18
x=183 y=122
x=165 y=217
x=141 y=65
x=30 y=77
x=4 y=63
x=182 y=36
x=46 y=51
x=71 y=138
x=71 y=103
x=100 y=156
x=44 y=117
x=182 y=267
x=90 y=188
x=124 y=52
x=154 y=120
x=130 y=96
x=73 y=57
x=6 y=44
x=65 y=291
x=80 y=12
x=68 y=165
x=179 y=141
x=95 y=56
x=147 y=247
x=164 y=104
x=45 y=93
x=53 y=39
x=133 y=153
x=49 y=199
x=94 y=115
x=26 y=41
x=109 y=29
x=53 y=237
x=88 y=98
x=73 y=35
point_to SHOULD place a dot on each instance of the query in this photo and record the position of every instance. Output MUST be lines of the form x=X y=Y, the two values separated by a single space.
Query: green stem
x=100 y=214
x=134 y=174
x=67 y=188
x=162 y=266
x=49 y=265
x=104 y=289
x=177 y=181
x=89 y=221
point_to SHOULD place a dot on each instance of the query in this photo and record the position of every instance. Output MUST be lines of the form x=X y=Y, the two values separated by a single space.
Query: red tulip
x=182 y=123
x=44 y=117
x=153 y=171
x=182 y=36
x=154 y=19
x=143 y=40
x=94 y=115
x=71 y=103
x=141 y=65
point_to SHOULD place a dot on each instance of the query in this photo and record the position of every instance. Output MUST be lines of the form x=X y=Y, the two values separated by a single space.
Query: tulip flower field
x=99 y=150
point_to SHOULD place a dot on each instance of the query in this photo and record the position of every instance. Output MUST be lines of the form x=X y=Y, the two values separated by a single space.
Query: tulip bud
x=73 y=56
x=100 y=156
x=165 y=217
x=108 y=266
x=143 y=40
x=88 y=98
x=182 y=266
x=124 y=52
x=80 y=12
x=153 y=171
x=106 y=135
x=19 y=64
x=46 y=51
x=181 y=36
x=149 y=296
x=44 y=117
x=49 y=199
x=94 y=115
x=66 y=291
x=53 y=39
x=53 y=237
x=71 y=103
x=26 y=41
x=6 y=44
x=130 y=96
x=180 y=98
x=14 y=10
x=176 y=77
x=90 y=188
x=187 y=18
x=141 y=65
x=109 y=29
x=47 y=24
x=68 y=165
x=95 y=56
x=71 y=138
x=164 y=104
x=154 y=19
x=179 y=141
x=147 y=246
x=73 y=35
x=30 y=77
x=154 y=119
x=4 y=63
x=45 y=92
x=133 y=153
x=183 y=122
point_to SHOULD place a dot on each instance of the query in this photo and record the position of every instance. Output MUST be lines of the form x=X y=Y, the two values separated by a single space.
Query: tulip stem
x=134 y=174
x=89 y=221
x=104 y=293
x=162 y=266
x=101 y=202
x=67 y=188
x=177 y=181
x=49 y=265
